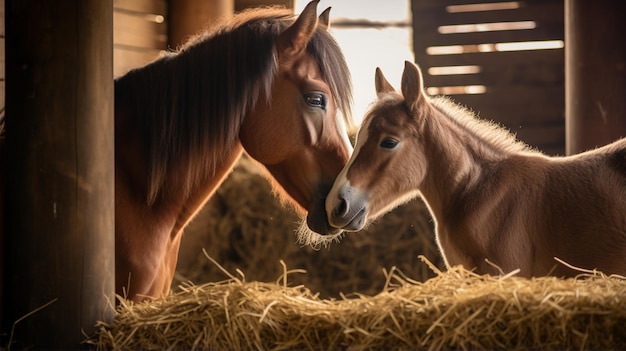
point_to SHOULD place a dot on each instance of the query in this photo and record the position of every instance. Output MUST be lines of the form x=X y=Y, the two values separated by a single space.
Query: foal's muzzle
x=347 y=210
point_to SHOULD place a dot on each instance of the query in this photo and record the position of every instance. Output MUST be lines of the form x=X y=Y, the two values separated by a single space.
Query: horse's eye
x=315 y=100
x=389 y=143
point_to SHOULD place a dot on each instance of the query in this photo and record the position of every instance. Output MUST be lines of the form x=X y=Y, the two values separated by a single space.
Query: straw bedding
x=343 y=298
x=244 y=227
x=456 y=309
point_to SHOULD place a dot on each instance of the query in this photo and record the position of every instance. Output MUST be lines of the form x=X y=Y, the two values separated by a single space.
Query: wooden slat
x=505 y=101
x=540 y=12
x=537 y=126
x=157 y=7
x=523 y=3
x=510 y=58
x=539 y=134
x=505 y=107
x=552 y=31
x=138 y=38
x=548 y=18
x=2 y=18
x=136 y=30
x=125 y=59
x=543 y=137
x=538 y=74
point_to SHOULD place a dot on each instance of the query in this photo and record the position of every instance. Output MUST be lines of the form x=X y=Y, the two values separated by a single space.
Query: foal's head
x=298 y=133
x=387 y=165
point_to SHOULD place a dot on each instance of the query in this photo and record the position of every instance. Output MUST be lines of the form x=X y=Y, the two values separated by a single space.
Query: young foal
x=264 y=83
x=492 y=198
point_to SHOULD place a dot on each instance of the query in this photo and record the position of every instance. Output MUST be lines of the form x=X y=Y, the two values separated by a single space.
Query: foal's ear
x=324 y=18
x=295 y=38
x=412 y=84
x=381 y=83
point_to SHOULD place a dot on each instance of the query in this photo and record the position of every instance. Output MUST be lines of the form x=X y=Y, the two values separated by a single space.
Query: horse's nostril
x=341 y=209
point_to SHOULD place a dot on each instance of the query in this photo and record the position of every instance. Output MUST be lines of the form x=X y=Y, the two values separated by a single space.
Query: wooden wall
x=524 y=90
x=141 y=28
x=139 y=32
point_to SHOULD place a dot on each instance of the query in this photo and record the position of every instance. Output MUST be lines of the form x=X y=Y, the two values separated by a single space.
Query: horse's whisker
x=307 y=237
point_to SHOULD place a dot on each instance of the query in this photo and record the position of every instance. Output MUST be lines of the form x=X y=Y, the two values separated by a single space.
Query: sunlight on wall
x=453 y=29
x=510 y=5
x=493 y=47
x=370 y=36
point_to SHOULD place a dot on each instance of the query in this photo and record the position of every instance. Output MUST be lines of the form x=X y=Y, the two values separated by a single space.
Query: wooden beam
x=59 y=228
x=595 y=57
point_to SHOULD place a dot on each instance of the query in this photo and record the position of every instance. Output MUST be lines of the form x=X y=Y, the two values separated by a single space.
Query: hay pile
x=346 y=299
x=457 y=309
x=245 y=227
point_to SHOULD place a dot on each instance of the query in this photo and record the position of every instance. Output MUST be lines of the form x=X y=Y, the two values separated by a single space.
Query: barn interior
x=547 y=70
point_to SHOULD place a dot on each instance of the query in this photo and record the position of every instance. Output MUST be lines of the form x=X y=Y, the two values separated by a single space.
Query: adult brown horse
x=265 y=83
x=497 y=204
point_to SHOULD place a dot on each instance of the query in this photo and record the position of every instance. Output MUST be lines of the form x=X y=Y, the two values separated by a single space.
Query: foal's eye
x=315 y=100
x=389 y=143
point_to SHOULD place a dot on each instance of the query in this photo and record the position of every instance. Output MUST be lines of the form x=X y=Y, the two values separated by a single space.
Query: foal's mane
x=190 y=104
x=488 y=132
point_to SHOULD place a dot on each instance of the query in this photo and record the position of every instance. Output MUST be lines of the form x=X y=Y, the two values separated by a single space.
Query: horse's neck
x=201 y=193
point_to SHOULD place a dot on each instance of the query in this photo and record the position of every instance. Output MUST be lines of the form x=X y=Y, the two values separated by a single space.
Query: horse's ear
x=412 y=84
x=295 y=38
x=381 y=83
x=324 y=18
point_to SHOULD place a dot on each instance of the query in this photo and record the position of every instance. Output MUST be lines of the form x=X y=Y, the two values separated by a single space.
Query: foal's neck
x=462 y=154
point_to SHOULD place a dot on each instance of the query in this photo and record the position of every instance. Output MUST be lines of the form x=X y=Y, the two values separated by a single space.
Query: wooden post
x=188 y=17
x=595 y=70
x=59 y=225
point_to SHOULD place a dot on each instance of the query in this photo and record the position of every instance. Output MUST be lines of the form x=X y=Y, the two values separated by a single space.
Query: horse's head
x=387 y=165
x=298 y=133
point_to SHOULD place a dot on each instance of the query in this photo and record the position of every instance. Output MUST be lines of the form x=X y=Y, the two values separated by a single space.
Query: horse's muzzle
x=317 y=220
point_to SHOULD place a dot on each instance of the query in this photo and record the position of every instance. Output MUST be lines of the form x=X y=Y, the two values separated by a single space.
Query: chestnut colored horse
x=264 y=83
x=498 y=205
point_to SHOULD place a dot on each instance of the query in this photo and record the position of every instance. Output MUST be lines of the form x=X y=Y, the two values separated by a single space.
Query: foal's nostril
x=342 y=209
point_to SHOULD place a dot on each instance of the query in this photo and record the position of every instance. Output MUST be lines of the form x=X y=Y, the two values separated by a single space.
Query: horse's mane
x=493 y=134
x=191 y=103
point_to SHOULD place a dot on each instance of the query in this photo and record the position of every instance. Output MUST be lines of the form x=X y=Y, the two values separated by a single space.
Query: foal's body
x=520 y=210
x=498 y=205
